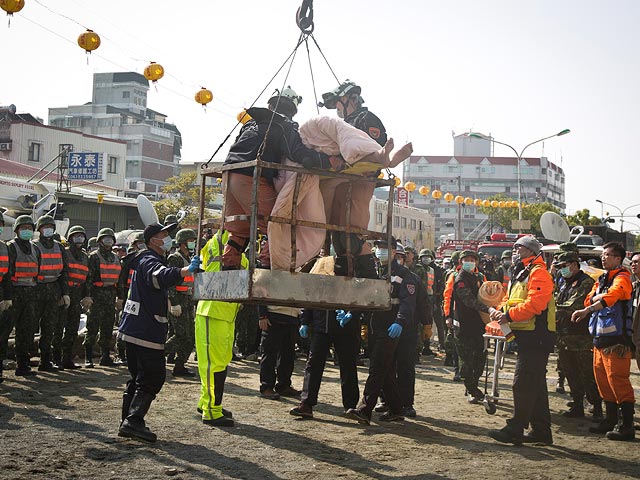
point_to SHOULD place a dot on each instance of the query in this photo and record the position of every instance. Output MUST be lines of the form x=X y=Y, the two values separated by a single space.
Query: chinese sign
x=403 y=196
x=85 y=166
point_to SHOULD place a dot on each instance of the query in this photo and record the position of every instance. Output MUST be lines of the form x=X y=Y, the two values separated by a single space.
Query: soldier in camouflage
x=181 y=306
x=451 y=358
x=424 y=324
x=575 y=344
x=5 y=299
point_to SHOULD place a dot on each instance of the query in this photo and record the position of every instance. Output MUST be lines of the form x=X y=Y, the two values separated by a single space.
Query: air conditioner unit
x=5 y=146
x=140 y=186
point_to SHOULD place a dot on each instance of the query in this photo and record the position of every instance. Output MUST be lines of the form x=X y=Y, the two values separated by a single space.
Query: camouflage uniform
x=424 y=325
x=5 y=297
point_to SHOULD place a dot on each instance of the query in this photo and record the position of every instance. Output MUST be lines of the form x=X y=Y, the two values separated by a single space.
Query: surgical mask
x=565 y=272
x=382 y=254
x=427 y=260
x=26 y=234
x=468 y=266
x=191 y=245
x=166 y=244
x=506 y=262
x=107 y=242
x=47 y=232
x=79 y=239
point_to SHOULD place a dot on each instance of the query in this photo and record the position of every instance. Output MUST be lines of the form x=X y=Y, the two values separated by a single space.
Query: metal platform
x=275 y=287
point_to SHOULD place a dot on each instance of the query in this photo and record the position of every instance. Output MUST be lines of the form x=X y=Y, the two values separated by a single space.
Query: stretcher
x=491 y=398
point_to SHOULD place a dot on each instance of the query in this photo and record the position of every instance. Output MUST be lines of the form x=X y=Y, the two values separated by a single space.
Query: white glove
x=5 y=305
x=175 y=310
x=119 y=303
x=86 y=302
x=66 y=301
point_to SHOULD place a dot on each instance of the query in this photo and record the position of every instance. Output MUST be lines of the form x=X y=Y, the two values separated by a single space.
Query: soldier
x=5 y=296
x=469 y=324
x=169 y=220
x=92 y=245
x=51 y=290
x=66 y=331
x=635 y=304
x=104 y=271
x=451 y=358
x=503 y=272
x=181 y=308
x=23 y=272
x=575 y=355
x=435 y=285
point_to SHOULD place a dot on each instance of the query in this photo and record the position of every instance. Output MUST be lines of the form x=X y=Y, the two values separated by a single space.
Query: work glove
x=343 y=317
x=175 y=310
x=395 y=330
x=66 y=301
x=304 y=331
x=119 y=303
x=86 y=303
x=194 y=266
x=5 y=305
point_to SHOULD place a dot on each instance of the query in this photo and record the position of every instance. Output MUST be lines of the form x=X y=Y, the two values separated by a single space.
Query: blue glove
x=194 y=266
x=343 y=317
x=395 y=330
x=304 y=331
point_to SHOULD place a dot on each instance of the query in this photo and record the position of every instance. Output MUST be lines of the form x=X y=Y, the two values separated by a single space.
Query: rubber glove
x=194 y=266
x=395 y=330
x=343 y=317
x=175 y=310
x=66 y=301
x=86 y=302
x=304 y=331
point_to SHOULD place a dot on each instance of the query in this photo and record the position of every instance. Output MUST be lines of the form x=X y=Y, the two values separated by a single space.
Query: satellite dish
x=146 y=211
x=554 y=227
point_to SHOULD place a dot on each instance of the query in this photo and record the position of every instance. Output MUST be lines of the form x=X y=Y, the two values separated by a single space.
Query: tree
x=530 y=211
x=184 y=194
x=583 y=217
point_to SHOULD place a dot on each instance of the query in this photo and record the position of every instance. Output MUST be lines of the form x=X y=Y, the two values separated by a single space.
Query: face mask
x=565 y=272
x=382 y=254
x=468 y=266
x=506 y=262
x=166 y=244
x=79 y=239
x=191 y=245
x=26 y=234
x=107 y=242
x=400 y=260
x=47 y=232
x=426 y=260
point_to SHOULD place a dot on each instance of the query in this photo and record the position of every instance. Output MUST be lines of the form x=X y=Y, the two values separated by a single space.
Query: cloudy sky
x=517 y=70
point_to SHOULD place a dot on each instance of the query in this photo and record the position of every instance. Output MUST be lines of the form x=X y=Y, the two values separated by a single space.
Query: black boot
x=576 y=410
x=88 y=357
x=106 y=361
x=179 y=370
x=46 y=365
x=126 y=405
x=624 y=430
x=597 y=411
x=23 y=369
x=67 y=362
x=610 y=420
x=133 y=425
x=219 y=379
x=57 y=360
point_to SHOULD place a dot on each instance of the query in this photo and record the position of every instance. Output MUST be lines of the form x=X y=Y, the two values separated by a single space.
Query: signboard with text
x=403 y=196
x=85 y=166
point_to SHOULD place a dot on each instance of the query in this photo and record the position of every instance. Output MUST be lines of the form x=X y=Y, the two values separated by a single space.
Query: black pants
x=530 y=396
x=278 y=355
x=382 y=376
x=406 y=365
x=346 y=341
x=147 y=369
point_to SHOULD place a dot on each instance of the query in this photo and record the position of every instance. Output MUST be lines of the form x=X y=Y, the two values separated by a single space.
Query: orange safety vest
x=109 y=271
x=186 y=286
x=51 y=264
x=26 y=267
x=431 y=279
x=78 y=268
x=4 y=259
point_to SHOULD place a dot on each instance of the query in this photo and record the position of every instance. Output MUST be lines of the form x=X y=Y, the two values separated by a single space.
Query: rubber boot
x=67 y=362
x=88 y=357
x=23 y=369
x=219 y=379
x=46 y=365
x=610 y=420
x=624 y=430
x=133 y=425
x=576 y=410
x=126 y=405
x=106 y=361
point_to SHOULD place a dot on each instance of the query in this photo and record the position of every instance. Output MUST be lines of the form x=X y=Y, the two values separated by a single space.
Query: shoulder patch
x=460 y=284
x=374 y=132
x=411 y=288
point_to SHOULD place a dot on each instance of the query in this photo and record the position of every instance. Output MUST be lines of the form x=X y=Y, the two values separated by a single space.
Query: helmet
x=291 y=101
x=455 y=257
x=93 y=242
x=425 y=252
x=469 y=253
x=169 y=219
x=45 y=220
x=23 y=220
x=506 y=254
x=410 y=250
x=76 y=229
x=106 y=232
x=400 y=250
x=347 y=87
x=185 y=234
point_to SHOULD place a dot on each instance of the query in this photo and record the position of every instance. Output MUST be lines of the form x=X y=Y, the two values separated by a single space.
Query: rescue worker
x=427 y=258
x=171 y=219
x=66 y=330
x=283 y=142
x=575 y=355
x=607 y=307
x=104 y=271
x=386 y=327
x=424 y=323
x=92 y=245
x=181 y=306
x=215 y=321
x=451 y=359
x=144 y=328
x=51 y=289
x=469 y=324
x=5 y=299
x=23 y=272
x=529 y=310
x=635 y=304
x=503 y=272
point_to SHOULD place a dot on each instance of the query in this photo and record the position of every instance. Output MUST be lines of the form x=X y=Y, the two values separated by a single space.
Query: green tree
x=184 y=194
x=530 y=211
x=583 y=217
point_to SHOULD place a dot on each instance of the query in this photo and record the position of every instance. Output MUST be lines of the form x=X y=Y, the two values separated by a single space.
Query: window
x=35 y=151
x=126 y=94
x=543 y=171
x=404 y=222
x=379 y=218
x=112 y=166
x=413 y=224
x=396 y=221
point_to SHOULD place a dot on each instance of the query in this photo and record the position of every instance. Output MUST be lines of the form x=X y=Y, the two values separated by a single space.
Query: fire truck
x=497 y=243
x=447 y=248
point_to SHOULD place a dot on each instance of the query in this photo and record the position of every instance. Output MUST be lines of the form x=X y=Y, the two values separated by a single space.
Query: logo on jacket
x=132 y=307
x=374 y=132
x=411 y=289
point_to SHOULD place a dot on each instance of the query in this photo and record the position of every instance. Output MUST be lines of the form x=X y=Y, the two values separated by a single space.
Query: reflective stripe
x=26 y=267
x=456 y=323
x=161 y=319
x=142 y=343
x=130 y=277
x=109 y=271
x=4 y=259
x=600 y=330
x=51 y=264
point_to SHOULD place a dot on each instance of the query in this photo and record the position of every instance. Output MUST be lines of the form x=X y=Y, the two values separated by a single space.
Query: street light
x=519 y=158
x=622 y=212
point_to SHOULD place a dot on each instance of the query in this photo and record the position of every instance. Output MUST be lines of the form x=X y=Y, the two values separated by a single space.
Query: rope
x=325 y=58
x=313 y=81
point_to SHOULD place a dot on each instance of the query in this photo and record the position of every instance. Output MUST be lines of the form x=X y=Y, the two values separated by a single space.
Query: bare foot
x=401 y=155
x=388 y=148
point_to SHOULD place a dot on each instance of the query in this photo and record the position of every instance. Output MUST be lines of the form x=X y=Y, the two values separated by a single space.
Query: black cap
x=156 y=228
x=382 y=242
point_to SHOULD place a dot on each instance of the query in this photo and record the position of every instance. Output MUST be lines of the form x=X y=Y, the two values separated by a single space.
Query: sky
x=517 y=70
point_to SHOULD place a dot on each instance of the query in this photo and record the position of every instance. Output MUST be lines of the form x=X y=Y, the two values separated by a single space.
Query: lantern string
x=61 y=14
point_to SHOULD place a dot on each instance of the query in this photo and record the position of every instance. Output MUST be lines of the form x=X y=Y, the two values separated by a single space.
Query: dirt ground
x=63 y=426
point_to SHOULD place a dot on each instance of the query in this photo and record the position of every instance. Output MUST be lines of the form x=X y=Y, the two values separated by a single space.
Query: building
x=118 y=110
x=479 y=176
x=413 y=227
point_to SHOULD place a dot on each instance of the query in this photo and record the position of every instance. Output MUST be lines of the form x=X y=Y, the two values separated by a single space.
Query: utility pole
x=459 y=208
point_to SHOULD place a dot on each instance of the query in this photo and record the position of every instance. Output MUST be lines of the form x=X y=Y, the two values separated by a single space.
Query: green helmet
x=23 y=220
x=347 y=87
x=410 y=250
x=76 y=229
x=506 y=254
x=184 y=235
x=469 y=253
x=45 y=220
x=290 y=97
x=455 y=257
x=169 y=219
x=106 y=232
x=93 y=242
x=568 y=247
x=425 y=252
